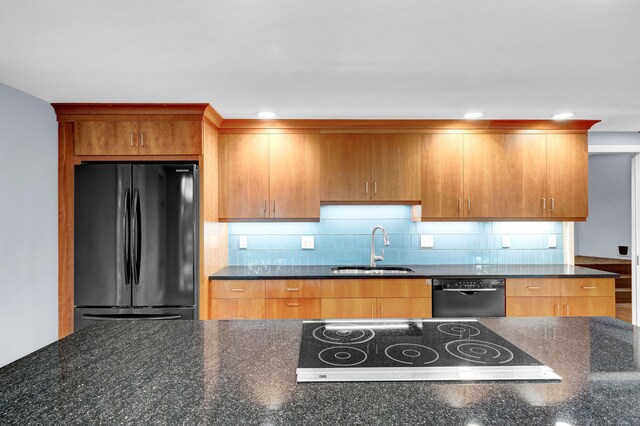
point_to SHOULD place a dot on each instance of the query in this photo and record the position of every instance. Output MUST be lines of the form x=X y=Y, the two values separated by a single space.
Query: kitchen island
x=244 y=372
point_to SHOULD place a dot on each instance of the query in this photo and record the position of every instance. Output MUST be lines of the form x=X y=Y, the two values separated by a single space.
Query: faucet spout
x=385 y=239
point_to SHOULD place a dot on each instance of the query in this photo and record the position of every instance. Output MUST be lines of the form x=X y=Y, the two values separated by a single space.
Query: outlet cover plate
x=307 y=242
x=242 y=242
x=506 y=241
x=552 y=242
x=426 y=241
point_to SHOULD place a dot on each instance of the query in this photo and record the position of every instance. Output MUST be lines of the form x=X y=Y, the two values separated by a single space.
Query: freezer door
x=165 y=237
x=101 y=268
x=84 y=317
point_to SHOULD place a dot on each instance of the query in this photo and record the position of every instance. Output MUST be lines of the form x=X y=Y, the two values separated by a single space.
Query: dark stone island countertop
x=266 y=272
x=243 y=372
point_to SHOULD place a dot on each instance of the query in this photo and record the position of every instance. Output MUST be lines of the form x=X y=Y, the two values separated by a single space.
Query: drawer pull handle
x=238 y=289
x=589 y=287
x=293 y=289
x=292 y=305
x=535 y=287
x=237 y=317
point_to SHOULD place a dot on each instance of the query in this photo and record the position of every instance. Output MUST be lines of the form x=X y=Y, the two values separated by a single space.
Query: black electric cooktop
x=398 y=350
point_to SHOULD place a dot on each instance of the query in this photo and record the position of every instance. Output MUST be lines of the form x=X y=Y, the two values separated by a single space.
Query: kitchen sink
x=371 y=270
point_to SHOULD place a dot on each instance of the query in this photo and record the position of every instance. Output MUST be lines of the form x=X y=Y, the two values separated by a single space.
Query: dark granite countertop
x=266 y=272
x=243 y=372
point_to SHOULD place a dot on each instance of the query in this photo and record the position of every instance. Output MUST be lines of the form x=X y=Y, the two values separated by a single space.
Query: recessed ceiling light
x=472 y=115
x=266 y=114
x=562 y=116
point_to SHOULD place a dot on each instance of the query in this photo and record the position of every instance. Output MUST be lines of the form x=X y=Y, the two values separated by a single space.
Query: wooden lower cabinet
x=236 y=309
x=349 y=308
x=588 y=306
x=533 y=306
x=293 y=308
x=293 y=289
x=238 y=289
x=398 y=307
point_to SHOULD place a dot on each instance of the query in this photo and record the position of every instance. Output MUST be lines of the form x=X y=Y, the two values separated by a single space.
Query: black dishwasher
x=473 y=297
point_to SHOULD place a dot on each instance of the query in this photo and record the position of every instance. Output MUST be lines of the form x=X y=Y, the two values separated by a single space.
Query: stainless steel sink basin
x=370 y=270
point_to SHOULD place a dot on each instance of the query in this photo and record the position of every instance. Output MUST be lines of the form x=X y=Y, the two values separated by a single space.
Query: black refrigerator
x=135 y=242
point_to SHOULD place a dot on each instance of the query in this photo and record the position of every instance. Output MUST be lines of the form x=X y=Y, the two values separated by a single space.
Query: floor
x=623 y=312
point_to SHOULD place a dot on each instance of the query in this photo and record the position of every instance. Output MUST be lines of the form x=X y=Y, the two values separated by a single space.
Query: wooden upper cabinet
x=484 y=176
x=442 y=160
x=567 y=176
x=243 y=163
x=170 y=137
x=524 y=179
x=106 y=138
x=294 y=176
x=345 y=164
x=395 y=167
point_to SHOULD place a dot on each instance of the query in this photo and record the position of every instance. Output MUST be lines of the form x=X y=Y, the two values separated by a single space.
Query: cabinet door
x=533 y=306
x=577 y=306
x=484 y=182
x=413 y=307
x=170 y=137
x=442 y=176
x=234 y=309
x=395 y=167
x=524 y=190
x=567 y=176
x=345 y=167
x=106 y=138
x=294 y=176
x=243 y=165
x=293 y=308
x=349 y=308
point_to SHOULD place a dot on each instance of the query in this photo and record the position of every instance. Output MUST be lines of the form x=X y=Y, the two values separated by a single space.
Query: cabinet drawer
x=293 y=289
x=533 y=306
x=233 y=309
x=405 y=288
x=535 y=287
x=293 y=308
x=237 y=289
x=396 y=307
x=351 y=288
x=588 y=287
x=349 y=308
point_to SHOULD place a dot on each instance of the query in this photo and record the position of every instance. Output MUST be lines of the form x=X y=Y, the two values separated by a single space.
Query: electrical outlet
x=307 y=242
x=506 y=241
x=426 y=241
x=552 y=241
x=242 y=242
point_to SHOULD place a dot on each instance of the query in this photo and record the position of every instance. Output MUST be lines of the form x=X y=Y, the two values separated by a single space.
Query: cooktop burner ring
x=340 y=356
x=343 y=334
x=479 y=351
x=458 y=329
x=412 y=351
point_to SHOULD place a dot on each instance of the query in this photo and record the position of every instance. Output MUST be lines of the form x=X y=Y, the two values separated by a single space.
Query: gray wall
x=614 y=138
x=28 y=224
x=609 y=222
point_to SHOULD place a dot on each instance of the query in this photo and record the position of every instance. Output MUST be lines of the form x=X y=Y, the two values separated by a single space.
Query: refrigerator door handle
x=132 y=317
x=135 y=237
x=126 y=241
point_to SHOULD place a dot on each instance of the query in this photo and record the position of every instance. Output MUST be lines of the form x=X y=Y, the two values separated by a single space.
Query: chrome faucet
x=385 y=238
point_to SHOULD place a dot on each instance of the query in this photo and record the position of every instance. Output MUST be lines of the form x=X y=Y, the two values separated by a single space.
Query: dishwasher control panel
x=468 y=284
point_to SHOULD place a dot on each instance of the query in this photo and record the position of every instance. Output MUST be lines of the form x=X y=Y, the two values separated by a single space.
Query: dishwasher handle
x=471 y=290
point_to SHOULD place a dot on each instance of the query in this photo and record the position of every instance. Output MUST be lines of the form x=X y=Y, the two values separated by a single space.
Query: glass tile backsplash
x=343 y=236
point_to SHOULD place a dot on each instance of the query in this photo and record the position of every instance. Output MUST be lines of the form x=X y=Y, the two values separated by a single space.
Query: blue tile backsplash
x=343 y=236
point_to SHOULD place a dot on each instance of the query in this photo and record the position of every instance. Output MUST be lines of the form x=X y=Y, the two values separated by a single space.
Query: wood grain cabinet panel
x=524 y=178
x=237 y=309
x=484 y=176
x=351 y=288
x=237 y=289
x=395 y=167
x=293 y=289
x=345 y=165
x=395 y=288
x=106 y=138
x=532 y=287
x=567 y=176
x=170 y=137
x=294 y=176
x=442 y=183
x=293 y=308
x=587 y=287
x=408 y=307
x=349 y=308
x=575 y=306
x=533 y=306
x=243 y=164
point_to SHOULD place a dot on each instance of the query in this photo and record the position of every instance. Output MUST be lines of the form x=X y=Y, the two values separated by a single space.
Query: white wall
x=614 y=138
x=28 y=224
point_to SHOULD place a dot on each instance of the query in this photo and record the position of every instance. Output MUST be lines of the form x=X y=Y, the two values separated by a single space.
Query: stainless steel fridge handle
x=135 y=237
x=131 y=317
x=126 y=234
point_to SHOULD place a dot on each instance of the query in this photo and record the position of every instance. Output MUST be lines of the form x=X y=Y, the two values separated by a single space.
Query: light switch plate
x=552 y=243
x=426 y=241
x=242 y=242
x=506 y=241
x=307 y=242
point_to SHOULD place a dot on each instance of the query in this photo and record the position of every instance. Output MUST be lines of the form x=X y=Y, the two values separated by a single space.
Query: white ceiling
x=334 y=58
